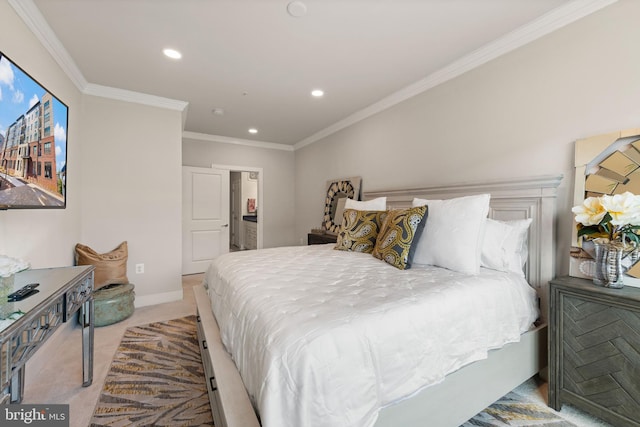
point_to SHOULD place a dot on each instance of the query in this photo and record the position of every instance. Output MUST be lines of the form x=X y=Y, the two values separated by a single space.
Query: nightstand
x=320 y=239
x=594 y=349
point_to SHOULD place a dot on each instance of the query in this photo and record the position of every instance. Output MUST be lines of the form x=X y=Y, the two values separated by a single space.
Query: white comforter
x=327 y=338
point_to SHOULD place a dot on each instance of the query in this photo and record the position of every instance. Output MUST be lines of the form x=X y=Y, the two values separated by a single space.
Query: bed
x=314 y=333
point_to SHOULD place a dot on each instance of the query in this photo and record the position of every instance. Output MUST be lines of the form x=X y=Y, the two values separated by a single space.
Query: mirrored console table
x=61 y=293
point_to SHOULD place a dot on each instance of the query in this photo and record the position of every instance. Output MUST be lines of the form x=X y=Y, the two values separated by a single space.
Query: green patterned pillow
x=359 y=230
x=400 y=229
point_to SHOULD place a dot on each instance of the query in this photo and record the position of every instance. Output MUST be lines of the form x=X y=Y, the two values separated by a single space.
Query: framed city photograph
x=33 y=142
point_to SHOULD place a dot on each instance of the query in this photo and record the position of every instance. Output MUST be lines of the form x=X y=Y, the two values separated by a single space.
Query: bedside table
x=320 y=239
x=594 y=349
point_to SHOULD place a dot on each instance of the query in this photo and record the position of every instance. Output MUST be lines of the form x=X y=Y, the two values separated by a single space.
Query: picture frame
x=338 y=190
x=33 y=142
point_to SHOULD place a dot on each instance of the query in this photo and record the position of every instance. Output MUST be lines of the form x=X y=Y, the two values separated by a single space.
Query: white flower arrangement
x=10 y=266
x=614 y=218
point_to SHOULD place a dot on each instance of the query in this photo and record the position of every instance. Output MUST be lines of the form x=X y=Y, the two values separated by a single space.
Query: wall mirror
x=338 y=191
x=604 y=164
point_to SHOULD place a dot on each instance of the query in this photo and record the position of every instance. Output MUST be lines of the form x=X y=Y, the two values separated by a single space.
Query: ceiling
x=258 y=63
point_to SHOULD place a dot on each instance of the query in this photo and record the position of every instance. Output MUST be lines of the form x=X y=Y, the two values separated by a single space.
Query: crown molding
x=547 y=23
x=236 y=141
x=137 y=97
x=30 y=14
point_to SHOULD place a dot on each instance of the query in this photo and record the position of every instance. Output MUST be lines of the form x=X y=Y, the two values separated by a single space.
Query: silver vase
x=608 y=258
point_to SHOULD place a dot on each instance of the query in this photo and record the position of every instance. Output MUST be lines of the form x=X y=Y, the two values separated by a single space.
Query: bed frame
x=465 y=392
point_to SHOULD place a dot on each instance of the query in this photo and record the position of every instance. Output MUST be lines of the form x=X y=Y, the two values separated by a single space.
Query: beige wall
x=123 y=179
x=277 y=205
x=44 y=237
x=132 y=190
x=516 y=116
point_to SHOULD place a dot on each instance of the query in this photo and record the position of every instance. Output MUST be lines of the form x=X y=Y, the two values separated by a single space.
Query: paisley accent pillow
x=400 y=229
x=359 y=230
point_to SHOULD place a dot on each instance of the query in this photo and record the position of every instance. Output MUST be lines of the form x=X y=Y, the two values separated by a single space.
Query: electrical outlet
x=139 y=268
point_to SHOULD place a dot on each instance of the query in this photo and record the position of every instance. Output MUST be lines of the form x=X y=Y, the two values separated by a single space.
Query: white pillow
x=379 y=204
x=493 y=252
x=453 y=235
x=505 y=246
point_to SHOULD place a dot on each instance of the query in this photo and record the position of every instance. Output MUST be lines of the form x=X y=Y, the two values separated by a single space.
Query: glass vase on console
x=608 y=258
x=612 y=223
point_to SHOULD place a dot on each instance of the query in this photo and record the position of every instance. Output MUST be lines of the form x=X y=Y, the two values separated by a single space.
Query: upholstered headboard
x=518 y=198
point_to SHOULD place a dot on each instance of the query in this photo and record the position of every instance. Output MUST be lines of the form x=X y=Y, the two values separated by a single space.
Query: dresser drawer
x=31 y=333
x=77 y=295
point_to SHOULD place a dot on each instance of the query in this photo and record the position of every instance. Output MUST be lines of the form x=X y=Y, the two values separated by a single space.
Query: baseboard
x=144 y=300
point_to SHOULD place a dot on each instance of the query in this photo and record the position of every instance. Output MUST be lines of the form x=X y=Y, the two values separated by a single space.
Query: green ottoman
x=112 y=304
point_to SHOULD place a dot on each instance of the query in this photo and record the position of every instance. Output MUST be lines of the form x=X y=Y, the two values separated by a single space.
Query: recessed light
x=172 y=53
x=317 y=93
x=253 y=130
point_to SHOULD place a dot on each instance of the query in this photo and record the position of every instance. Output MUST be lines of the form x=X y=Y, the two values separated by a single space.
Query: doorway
x=206 y=220
x=205 y=217
x=245 y=201
x=244 y=206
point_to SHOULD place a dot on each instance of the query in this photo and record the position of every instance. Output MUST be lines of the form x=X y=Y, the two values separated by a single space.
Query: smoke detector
x=297 y=9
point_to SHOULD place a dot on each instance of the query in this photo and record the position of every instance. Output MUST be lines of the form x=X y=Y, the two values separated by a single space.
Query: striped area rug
x=513 y=411
x=157 y=379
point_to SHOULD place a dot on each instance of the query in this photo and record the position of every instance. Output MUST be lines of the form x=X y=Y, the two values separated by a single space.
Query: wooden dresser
x=594 y=346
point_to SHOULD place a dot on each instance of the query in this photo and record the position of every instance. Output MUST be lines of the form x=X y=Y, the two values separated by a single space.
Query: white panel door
x=205 y=217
